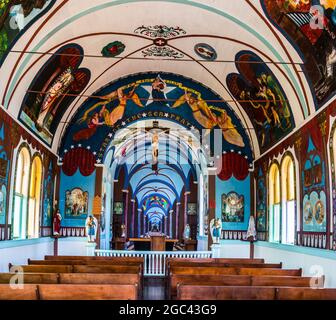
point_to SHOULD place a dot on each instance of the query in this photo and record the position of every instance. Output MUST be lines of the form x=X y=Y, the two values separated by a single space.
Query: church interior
x=172 y=149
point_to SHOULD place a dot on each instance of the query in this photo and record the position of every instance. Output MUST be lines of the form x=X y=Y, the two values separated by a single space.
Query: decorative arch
x=21 y=192
x=274 y=201
x=288 y=193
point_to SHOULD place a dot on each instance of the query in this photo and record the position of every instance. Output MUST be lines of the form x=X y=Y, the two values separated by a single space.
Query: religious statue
x=216 y=229
x=123 y=229
x=57 y=223
x=186 y=233
x=91 y=227
x=251 y=231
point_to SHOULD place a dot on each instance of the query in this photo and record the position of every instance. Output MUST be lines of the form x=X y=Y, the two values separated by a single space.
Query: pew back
x=87 y=292
x=29 y=278
x=28 y=292
x=190 y=292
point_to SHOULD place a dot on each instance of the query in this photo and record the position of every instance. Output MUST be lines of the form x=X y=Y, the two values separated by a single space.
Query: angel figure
x=200 y=110
x=91 y=228
x=216 y=229
x=111 y=117
x=230 y=133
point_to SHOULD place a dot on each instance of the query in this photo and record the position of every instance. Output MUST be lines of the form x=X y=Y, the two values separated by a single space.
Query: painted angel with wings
x=208 y=120
x=216 y=229
x=104 y=116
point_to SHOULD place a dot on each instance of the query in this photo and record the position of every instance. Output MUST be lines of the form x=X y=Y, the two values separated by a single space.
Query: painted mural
x=261 y=202
x=118 y=208
x=16 y=16
x=311 y=25
x=150 y=96
x=48 y=195
x=76 y=203
x=232 y=207
x=53 y=90
x=314 y=201
x=4 y=173
x=155 y=201
x=262 y=97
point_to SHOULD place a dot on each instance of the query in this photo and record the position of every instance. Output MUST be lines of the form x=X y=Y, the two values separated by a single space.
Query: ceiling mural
x=311 y=25
x=53 y=90
x=16 y=16
x=263 y=98
x=151 y=96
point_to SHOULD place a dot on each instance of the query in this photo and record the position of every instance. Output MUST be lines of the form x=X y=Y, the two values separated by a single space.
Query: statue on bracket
x=186 y=233
x=251 y=234
x=216 y=230
x=91 y=228
x=57 y=223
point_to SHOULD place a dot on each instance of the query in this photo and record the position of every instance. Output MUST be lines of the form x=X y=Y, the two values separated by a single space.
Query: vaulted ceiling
x=227 y=26
x=262 y=60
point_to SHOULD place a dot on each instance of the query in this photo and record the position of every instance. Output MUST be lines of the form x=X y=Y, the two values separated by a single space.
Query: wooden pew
x=222 y=280
x=46 y=269
x=285 y=281
x=233 y=280
x=83 y=262
x=106 y=269
x=305 y=294
x=88 y=262
x=234 y=271
x=87 y=292
x=226 y=264
x=29 y=292
x=190 y=292
x=86 y=258
x=98 y=278
x=31 y=278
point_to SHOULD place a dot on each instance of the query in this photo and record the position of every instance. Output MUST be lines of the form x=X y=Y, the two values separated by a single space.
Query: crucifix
x=156 y=131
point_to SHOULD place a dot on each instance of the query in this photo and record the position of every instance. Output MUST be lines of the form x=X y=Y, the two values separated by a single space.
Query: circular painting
x=307 y=213
x=205 y=51
x=319 y=212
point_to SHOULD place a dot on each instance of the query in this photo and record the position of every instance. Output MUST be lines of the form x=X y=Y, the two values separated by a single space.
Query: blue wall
x=242 y=188
x=69 y=183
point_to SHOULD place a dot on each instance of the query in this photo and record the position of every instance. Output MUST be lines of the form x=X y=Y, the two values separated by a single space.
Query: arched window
x=288 y=200
x=35 y=198
x=274 y=203
x=21 y=194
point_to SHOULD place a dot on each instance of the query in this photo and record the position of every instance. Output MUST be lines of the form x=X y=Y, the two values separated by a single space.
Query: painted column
x=185 y=217
x=144 y=224
x=212 y=201
x=132 y=232
x=177 y=219
x=97 y=201
x=125 y=194
x=165 y=225
x=139 y=222
x=171 y=223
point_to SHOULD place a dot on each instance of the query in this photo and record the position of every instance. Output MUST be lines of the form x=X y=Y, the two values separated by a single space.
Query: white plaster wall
x=234 y=249
x=72 y=247
x=310 y=264
x=17 y=252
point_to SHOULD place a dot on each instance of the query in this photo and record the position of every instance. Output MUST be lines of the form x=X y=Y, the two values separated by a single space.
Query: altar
x=153 y=243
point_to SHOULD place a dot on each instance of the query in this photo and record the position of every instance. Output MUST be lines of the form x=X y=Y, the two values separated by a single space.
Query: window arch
x=274 y=203
x=34 y=198
x=21 y=192
x=288 y=184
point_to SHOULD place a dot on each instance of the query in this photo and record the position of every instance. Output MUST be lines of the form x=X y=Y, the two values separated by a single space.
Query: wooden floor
x=154 y=288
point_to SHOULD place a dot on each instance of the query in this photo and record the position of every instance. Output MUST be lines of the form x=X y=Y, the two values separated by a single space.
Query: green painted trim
x=321 y=253
x=185 y=2
x=24 y=242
